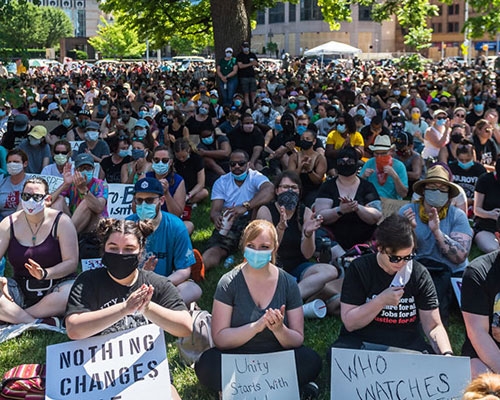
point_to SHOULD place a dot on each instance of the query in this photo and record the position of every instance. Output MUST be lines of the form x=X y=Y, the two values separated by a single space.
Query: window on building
x=261 y=17
x=451 y=9
x=453 y=27
x=310 y=11
x=457 y=9
x=454 y=9
x=437 y=27
x=81 y=28
x=365 y=13
x=292 y=12
x=277 y=13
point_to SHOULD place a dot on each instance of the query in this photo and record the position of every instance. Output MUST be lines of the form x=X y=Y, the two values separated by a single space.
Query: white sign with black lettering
x=268 y=376
x=53 y=181
x=124 y=365
x=120 y=200
x=75 y=145
x=362 y=374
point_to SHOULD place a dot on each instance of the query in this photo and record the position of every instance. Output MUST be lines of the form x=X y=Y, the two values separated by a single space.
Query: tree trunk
x=231 y=24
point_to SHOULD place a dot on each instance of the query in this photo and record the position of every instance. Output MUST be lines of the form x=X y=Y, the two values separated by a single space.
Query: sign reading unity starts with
x=373 y=375
x=123 y=365
x=269 y=376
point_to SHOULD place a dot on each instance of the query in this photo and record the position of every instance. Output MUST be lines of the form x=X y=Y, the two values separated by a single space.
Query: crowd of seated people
x=295 y=173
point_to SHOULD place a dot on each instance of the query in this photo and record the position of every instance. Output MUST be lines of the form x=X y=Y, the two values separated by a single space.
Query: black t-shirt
x=60 y=131
x=488 y=185
x=95 y=290
x=481 y=293
x=394 y=325
x=246 y=141
x=486 y=154
x=349 y=229
x=162 y=120
x=112 y=171
x=466 y=178
x=196 y=127
x=247 y=72
x=471 y=118
x=189 y=170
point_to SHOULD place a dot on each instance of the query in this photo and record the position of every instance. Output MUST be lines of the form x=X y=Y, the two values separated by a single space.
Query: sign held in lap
x=123 y=365
x=362 y=374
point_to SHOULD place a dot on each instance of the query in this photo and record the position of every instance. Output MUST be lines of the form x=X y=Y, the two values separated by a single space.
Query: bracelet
x=448 y=353
x=307 y=236
x=44 y=274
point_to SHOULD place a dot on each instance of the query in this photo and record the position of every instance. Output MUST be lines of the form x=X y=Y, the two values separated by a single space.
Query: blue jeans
x=227 y=90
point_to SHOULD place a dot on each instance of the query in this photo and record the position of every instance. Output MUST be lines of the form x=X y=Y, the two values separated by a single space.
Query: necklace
x=33 y=234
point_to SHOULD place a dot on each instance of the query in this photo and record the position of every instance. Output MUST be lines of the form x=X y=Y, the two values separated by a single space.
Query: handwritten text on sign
x=120 y=200
x=123 y=365
x=266 y=376
x=373 y=375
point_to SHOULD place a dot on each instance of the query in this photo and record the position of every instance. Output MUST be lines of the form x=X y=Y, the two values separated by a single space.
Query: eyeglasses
x=137 y=139
x=397 y=259
x=156 y=160
x=237 y=163
x=148 y=200
x=126 y=112
x=289 y=187
x=441 y=118
x=346 y=161
x=35 y=196
x=78 y=98
x=60 y=152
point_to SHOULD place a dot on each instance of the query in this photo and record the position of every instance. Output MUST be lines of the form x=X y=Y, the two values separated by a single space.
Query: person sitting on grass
x=122 y=296
x=41 y=245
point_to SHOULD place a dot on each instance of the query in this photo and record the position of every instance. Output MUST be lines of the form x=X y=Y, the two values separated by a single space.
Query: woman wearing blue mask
x=61 y=131
x=436 y=136
x=121 y=154
x=139 y=165
x=257 y=309
x=173 y=184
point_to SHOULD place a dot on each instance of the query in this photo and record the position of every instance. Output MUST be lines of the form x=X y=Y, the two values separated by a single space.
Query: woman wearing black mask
x=448 y=153
x=350 y=206
x=296 y=225
x=310 y=165
x=122 y=296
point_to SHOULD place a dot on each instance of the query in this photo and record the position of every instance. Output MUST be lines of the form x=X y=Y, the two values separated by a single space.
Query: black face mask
x=456 y=137
x=347 y=170
x=288 y=199
x=305 y=144
x=120 y=265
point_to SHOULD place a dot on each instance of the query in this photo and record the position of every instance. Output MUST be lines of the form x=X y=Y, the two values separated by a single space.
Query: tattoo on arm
x=456 y=247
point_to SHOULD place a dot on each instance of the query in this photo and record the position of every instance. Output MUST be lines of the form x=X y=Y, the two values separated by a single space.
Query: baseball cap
x=148 y=185
x=142 y=123
x=214 y=93
x=85 y=113
x=38 y=132
x=92 y=126
x=20 y=123
x=228 y=49
x=83 y=159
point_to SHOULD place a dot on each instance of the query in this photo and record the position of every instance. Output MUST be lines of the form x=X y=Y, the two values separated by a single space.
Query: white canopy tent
x=332 y=48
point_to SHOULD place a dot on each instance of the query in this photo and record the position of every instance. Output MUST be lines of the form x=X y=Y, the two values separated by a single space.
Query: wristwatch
x=339 y=212
x=246 y=204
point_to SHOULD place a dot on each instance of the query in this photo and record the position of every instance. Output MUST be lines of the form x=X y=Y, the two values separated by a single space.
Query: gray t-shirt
x=100 y=150
x=9 y=196
x=36 y=154
x=233 y=291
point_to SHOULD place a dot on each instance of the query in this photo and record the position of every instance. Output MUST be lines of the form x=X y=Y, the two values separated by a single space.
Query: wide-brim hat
x=436 y=174
x=382 y=143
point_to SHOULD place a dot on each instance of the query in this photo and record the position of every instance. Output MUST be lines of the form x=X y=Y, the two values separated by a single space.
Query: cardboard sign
x=268 y=376
x=124 y=365
x=120 y=200
x=456 y=283
x=362 y=374
x=53 y=181
x=91 y=263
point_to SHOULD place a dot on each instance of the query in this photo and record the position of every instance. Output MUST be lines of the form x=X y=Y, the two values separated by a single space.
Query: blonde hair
x=256 y=228
x=484 y=387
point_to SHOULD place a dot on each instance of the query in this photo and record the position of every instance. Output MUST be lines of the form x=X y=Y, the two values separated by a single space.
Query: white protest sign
x=268 y=376
x=91 y=263
x=75 y=145
x=362 y=374
x=456 y=283
x=53 y=181
x=120 y=200
x=124 y=365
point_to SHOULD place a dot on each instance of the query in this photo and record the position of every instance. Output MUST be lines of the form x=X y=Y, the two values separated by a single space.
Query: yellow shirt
x=337 y=140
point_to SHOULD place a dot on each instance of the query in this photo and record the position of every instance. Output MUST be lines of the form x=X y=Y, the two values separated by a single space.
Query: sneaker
x=310 y=391
x=198 y=268
x=52 y=321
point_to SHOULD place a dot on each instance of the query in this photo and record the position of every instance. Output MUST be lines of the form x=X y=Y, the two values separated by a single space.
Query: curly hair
x=140 y=229
x=484 y=387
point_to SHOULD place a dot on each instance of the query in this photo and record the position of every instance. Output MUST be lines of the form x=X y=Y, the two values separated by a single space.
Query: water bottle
x=2 y=266
x=229 y=262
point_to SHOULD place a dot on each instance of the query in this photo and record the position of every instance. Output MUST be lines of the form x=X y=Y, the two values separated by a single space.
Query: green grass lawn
x=319 y=333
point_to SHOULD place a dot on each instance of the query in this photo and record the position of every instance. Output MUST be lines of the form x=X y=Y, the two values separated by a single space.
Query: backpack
x=26 y=381
x=192 y=347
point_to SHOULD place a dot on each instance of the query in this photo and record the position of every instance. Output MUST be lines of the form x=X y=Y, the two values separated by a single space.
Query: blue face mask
x=257 y=259
x=207 y=140
x=361 y=112
x=478 y=107
x=33 y=110
x=278 y=127
x=301 y=129
x=141 y=133
x=160 y=168
x=237 y=103
x=330 y=120
x=66 y=122
x=466 y=165
x=2 y=113
x=64 y=102
x=87 y=175
x=145 y=211
x=138 y=153
x=440 y=122
x=124 y=153
x=341 y=128
x=240 y=177
x=142 y=114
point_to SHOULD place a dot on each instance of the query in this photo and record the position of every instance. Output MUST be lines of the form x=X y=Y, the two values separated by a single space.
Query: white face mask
x=33 y=207
x=14 y=168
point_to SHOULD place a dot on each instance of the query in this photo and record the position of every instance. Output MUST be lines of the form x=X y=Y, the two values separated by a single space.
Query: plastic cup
x=227 y=222
x=315 y=309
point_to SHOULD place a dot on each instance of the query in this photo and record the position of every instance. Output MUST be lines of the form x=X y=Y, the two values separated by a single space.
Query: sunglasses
x=148 y=200
x=239 y=163
x=441 y=118
x=35 y=196
x=126 y=112
x=61 y=152
x=397 y=259
x=156 y=160
x=460 y=115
